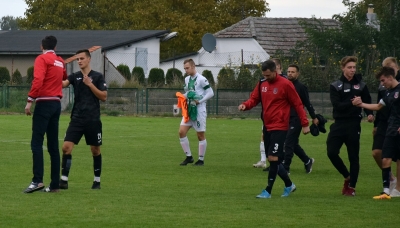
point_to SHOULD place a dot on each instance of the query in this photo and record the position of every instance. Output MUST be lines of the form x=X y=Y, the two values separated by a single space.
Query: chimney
x=370 y=8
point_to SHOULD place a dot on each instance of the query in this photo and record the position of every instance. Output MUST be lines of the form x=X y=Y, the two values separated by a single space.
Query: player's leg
x=263 y=160
x=94 y=137
x=353 y=150
x=72 y=137
x=396 y=191
x=184 y=141
x=333 y=143
x=292 y=139
x=53 y=148
x=200 y=127
x=389 y=148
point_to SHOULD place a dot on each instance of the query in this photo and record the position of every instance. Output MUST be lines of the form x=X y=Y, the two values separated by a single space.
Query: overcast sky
x=279 y=8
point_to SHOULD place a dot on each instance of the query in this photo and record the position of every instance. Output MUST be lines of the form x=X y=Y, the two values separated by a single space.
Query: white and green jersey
x=199 y=84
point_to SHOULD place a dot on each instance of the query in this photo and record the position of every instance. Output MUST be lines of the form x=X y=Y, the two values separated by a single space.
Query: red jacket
x=277 y=97
x=49 y=72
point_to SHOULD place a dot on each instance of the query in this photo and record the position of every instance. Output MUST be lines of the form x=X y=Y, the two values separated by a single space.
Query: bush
x=138 y=75
x=29 y=74
x=174 y=76
x=226 y=78
x=156 y=77
x=210 y=77
x=4 y=75
x=244 y=79
x=17 y=77
x=124 y=70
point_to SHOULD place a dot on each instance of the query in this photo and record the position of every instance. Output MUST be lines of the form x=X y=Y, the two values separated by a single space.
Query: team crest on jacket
x=275 y=91
x=357 y=86
x=396 y=95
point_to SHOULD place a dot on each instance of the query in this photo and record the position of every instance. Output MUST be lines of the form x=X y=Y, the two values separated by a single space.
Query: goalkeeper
x=198 y=91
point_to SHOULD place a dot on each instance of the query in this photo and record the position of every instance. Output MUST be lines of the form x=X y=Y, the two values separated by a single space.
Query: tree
x=156 y=77
x=226 y=78
x=9 y=23
x=210 y=77
x=29 y=75
x=244 y=79
x=173 y=75
x=17 y=77
x=138 y=74
x=190 y=18
x=4 y=75
x=124 y=70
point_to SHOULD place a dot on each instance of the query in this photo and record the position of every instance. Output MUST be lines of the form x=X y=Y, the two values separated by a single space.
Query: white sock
x=202 y=149
x=64 y=178
x=262 y=151
x=386 y=190
x=97 y=179
x=185 y=146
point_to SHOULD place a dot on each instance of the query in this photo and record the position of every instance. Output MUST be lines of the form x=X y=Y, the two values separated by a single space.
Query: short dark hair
x=295 y=66
x=385 y=71
x=49 y=43
x=86 y=51
x=268 y=65
x=190 y=61
x=347 y=59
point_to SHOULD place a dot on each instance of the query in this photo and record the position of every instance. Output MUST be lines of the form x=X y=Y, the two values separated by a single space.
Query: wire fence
x=158 y=101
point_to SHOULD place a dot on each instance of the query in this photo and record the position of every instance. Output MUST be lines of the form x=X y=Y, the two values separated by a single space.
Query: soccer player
x=46 y=91
x=380 y=123
x=89 y=88
x=276 y=95
x=346 y=128
x=391 y=144
x=198 y=84
x=292 y=138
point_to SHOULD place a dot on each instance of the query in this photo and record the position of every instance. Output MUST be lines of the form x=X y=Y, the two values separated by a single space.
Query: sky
x=279 y=8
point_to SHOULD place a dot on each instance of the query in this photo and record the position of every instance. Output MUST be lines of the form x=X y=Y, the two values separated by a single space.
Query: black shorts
x=274 y=142
x=391 y=147
x=92 y=131
x=379 y=136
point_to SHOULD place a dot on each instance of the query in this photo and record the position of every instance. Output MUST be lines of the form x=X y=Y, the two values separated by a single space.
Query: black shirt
x=341 y=93
x=86 y=104
x=383 y=114
x=305 y=99
x=392 y=103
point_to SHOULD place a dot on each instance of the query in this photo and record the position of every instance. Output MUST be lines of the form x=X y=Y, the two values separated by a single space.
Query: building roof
x=272 y=33
x=69 y=41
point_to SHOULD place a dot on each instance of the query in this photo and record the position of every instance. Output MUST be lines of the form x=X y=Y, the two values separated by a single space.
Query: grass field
x=144 y=186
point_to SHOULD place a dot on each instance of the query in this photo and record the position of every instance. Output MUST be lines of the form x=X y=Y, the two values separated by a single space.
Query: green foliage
x=9 y=23
x=245 y=80
x=17 y=77
x=4 y=75
x=257 y=75
x=226 y=78
x=113 y=84
x=210 y=16
x=156 y=77
x=124 y=70
x=138 y=75
x=29 y=74
x=210 y=77
x=174 y=76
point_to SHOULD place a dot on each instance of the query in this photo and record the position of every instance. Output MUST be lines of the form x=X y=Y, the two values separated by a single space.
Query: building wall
x=127 y=54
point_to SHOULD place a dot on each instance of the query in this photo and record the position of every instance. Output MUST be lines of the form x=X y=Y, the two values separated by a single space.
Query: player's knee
x=95 y=150
x=377 y=154
x=272 y=158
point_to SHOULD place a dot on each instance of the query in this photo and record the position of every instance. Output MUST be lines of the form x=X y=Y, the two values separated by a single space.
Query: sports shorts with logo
x=198 y=125
x=274 y=142
x=92 y=130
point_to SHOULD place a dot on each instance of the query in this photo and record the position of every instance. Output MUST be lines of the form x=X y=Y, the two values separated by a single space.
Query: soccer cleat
x=382 y=196
x=308 y=167
x=345 y=186
x=199 y=163
x=393 y=184
x=63 y=184
x=33 y=187
x=264 y=195
x=188 y=159
x=395 y=193
x=350 y=192
x=288 y=190
x=260 y=164
x=96 y=185
x=48 y=189
x=266 y=169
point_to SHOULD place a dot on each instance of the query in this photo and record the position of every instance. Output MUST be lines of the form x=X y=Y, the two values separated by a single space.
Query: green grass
x=144 y=186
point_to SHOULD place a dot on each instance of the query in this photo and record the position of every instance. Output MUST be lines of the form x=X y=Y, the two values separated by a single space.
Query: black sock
x=273 y=171
x=97 y=165
x=284 y=175
x=66 y=164
x=386 y=177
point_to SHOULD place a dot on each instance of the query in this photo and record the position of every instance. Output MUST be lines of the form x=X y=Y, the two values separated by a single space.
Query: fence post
x=216 y=105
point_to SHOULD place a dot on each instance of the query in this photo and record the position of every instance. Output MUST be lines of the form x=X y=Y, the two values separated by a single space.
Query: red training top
x=49 y=72
x=277 y=97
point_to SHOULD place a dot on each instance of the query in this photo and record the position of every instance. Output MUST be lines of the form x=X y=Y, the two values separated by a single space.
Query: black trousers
x=45 y=121
x=292 y=143
x=345 y=132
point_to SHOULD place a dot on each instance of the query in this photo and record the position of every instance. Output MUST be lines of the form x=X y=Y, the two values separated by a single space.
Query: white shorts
x=200 y=124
